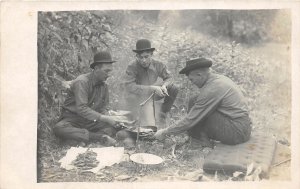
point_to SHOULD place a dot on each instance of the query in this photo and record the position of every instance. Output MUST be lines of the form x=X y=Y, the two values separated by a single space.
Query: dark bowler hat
x=194 y=64
x=143 y=45
x=101 y=57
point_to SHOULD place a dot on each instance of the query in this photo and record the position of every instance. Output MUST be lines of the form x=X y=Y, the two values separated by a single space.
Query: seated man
x=218 y=111
x=141 y=77
x=83 y=116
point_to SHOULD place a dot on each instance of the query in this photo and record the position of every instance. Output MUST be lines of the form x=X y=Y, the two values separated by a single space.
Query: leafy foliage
x=66 y=44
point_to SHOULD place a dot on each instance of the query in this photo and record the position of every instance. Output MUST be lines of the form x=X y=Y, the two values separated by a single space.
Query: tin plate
x=146 y=159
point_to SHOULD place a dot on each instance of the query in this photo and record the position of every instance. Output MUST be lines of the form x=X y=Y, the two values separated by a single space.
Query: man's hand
x=158 y=90
x=160 y=134
x=164 y=90
x=113 y=120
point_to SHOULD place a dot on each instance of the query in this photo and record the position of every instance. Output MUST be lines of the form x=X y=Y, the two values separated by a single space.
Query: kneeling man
x=218 y=111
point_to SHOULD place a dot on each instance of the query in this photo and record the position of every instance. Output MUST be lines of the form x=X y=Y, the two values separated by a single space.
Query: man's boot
x=126 y=138
x=205 y=141
x=103 y=139
x=74 y=143
x=202 y=141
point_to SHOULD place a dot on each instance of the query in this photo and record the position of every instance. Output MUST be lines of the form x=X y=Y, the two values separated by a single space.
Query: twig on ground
x=279 y=163
x=173 y=150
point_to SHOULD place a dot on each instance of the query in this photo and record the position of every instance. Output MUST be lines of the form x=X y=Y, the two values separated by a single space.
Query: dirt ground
x=187 y=165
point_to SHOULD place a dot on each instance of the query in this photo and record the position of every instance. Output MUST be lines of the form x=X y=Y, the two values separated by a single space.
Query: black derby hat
x=101 y=58
x=194 y=64
x=143 y=45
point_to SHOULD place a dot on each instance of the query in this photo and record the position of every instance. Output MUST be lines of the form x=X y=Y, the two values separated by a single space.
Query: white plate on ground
x=146 y=159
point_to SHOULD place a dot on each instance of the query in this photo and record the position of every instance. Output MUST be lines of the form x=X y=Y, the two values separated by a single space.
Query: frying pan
x=144 y=130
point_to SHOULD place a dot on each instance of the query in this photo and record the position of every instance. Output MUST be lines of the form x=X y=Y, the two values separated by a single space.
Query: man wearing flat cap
x=217 y=112
x=84 y=116
x=141 y=77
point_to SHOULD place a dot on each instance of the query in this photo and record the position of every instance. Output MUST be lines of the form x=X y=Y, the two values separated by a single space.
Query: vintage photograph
x=199 y=95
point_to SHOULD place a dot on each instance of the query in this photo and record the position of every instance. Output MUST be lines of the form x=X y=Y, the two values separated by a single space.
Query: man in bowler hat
x=84 y=113
x=141 y=78
x=217 y=112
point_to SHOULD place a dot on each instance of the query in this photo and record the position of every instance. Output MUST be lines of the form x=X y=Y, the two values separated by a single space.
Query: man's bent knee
x=237 y=139
x=65 y=130
x=173 y=89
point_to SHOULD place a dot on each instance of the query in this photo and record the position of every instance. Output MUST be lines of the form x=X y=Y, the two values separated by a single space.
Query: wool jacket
x=87 y=98
x=138 y=79
x=219 y=93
